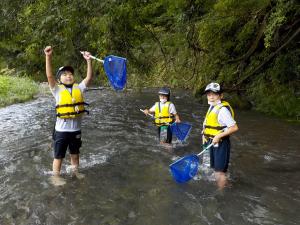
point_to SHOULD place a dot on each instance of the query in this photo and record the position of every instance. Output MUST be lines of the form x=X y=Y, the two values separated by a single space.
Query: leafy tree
x=250 y=46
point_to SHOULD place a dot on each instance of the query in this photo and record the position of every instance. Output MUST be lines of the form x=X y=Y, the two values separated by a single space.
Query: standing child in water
x=69 y=111
x=164 y=113
x=218 y=124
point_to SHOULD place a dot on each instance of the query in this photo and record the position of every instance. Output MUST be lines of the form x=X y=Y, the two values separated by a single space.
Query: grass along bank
x=16 y=89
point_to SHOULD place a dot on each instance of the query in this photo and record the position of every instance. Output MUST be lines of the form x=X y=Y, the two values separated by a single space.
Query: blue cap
x=164 y=91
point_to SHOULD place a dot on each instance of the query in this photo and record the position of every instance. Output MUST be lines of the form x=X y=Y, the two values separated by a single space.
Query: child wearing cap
x=70 y=107
x=218 y=125
x=165 y=114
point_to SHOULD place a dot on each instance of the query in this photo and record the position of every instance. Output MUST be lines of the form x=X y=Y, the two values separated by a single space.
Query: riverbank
x=15 y=89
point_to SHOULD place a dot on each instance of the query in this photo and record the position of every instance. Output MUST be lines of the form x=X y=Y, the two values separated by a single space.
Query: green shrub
x=15 y=89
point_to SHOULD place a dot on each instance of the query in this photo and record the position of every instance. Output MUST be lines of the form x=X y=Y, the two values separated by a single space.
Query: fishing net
x=185 y=168
x=181 y=130
x=116 y=71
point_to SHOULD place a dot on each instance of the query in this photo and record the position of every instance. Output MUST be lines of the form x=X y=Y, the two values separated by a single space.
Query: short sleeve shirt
x=225 y=118
x=172 y=108
x=67 y=125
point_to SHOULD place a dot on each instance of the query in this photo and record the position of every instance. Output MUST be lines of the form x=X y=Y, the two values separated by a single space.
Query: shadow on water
x=127 y=180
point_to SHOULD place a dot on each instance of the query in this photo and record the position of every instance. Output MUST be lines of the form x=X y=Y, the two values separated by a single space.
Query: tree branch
x=269 y=58
x=254 y=44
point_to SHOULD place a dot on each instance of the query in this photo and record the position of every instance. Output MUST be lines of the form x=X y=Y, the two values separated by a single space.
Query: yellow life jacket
x=211 y=125
x=70 y=105
x=162 y=115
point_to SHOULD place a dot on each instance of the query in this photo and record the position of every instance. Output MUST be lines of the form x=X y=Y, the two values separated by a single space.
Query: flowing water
x=127 y=178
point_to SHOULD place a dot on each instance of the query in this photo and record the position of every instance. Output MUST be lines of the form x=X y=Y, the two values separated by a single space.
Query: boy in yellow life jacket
x=165 y=114
x=70 y=107
x=218 y=124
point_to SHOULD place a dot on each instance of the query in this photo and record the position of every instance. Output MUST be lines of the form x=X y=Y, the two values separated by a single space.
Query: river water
x=127 y=178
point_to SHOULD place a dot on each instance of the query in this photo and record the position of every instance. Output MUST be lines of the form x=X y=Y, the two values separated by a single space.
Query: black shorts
x=168 y=138
x=219 y=156
x=65 y=140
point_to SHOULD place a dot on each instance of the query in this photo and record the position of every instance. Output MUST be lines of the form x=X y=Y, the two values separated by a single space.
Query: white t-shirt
x=67 y=125
x=172 y=108
x=225 y=118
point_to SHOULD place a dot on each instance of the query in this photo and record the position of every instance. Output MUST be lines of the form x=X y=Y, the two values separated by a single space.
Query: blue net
x=185 y=168
x=181 y=130
x=115 y=69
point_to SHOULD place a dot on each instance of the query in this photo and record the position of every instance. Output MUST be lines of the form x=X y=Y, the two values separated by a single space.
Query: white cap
x=214 y=87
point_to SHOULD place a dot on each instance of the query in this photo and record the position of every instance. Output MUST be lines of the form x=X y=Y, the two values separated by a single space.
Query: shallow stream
x=127 y=178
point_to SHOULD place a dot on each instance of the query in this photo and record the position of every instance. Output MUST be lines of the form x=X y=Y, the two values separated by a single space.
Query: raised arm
x=51 y=79
x=89 y=71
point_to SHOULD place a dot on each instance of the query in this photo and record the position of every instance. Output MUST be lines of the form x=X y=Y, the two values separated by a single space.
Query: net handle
x=93 y=57
x=205 y=149
x=148 y=114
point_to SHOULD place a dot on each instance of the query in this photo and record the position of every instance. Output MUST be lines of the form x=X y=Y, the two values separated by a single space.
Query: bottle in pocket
x=163 y=133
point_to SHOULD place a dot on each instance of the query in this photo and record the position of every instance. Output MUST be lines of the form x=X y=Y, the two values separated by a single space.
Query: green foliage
x=15 y=89
x=175 y=43
x=276 y=91
x=244 y=36
x=279 y=96
x=277 y=18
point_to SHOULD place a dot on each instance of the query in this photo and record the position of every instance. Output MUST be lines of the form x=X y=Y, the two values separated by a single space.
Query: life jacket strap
x=162 y=124
x=165 y=117
x=71 y=105
x=215 y=127
x=208 y=136
x=72 y=113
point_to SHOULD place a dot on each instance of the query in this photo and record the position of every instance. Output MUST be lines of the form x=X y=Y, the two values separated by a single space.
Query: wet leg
x=221 y=180
x=75 y=165
x=56 y=166
x=75 y=161
x=56 y=179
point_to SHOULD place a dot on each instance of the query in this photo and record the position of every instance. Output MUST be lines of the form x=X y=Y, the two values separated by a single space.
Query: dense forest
x=250 y=46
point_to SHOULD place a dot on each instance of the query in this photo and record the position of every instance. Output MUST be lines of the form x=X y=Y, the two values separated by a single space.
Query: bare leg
x=56 y=179
x=165 y=143
x=221 y=180
x=75 y=165
x=75 y=161
x=56 y=166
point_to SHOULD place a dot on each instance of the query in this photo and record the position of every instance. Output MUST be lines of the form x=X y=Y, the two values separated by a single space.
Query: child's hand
x=146 y=111
x=48 y=51
x=177 y=120
x=216 y=139
x=86 y=55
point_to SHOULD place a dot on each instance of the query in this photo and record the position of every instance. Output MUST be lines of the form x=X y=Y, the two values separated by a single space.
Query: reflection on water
x=127 y=180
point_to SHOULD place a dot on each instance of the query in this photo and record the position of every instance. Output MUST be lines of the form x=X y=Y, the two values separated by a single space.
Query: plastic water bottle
x=163 y=133
x=206 y=159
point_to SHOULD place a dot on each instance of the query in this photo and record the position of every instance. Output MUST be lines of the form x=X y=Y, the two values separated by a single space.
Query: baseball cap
x=214 y=87
x=164 y=91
